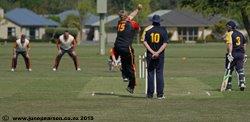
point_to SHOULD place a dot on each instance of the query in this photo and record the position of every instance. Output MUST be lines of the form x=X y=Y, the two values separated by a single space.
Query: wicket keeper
x=126 y=30
x=21 y=46
x=155 y=39
x=236 y=48
x=66 y=43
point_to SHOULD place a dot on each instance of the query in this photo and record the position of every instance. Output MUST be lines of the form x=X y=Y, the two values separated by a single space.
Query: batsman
x=236 y=48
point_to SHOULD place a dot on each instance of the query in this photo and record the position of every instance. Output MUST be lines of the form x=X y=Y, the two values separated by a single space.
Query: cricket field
x=193 y=75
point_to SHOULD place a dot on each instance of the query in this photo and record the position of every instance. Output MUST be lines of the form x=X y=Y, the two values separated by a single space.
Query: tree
x=84 y=7
x=71 y=21
x=163 y=4
x=145 y=9
x=229 y=8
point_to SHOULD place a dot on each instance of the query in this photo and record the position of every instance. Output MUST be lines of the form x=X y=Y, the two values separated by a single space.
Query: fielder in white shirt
x=21 y=46
x=66 y=44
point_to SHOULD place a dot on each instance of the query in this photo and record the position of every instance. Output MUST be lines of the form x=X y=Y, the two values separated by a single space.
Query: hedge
x=53 y=33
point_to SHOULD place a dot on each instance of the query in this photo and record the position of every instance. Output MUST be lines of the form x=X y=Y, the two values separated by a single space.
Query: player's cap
x=231 y=24
x=156 y=18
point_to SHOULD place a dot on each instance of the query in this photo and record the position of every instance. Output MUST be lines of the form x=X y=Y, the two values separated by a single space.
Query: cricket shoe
x=242 y=86
x=78 y=69
x=29 y=70
x=54 y=69
x=149 y=96
x=125 y=80
x=12 y=70
x=161 y=97
x=130 y=90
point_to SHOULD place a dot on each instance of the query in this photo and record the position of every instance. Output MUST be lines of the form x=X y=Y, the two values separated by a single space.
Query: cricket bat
x=225 y=78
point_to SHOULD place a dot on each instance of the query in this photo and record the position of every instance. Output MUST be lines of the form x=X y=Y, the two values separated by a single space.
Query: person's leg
x=14 y=61
x=58 y=59
x=74 y=57
x=26 y=60
x=240 y=70
x=131 y=69
x=160 y=77
x=124 y=64
x=151 y=71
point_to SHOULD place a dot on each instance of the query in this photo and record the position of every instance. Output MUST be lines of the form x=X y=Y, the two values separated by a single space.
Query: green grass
x=66 y=92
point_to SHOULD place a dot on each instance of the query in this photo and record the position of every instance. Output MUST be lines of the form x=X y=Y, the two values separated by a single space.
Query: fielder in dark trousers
x=126 y=30
x=21 y=47
x=155 y=39
x=236 y=48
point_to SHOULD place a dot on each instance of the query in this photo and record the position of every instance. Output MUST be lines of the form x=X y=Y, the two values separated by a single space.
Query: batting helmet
x=231 y=24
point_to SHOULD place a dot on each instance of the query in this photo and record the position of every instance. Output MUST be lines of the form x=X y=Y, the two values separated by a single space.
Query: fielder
x=236 y=48
x=155 y=40
x=126 y=30
x=66 y=44
x=21 y=46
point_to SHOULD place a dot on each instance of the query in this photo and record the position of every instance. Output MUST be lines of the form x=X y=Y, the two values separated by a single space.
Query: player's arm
x=135 y=12
x=74 y=43
x=28 y=49
x=163 y=47
x=14 y=48
x=245 y=43
x=245 y=47
x=148 y=47
x=229 y=48
x=229 y=44
x=165 y=41
x=58 y=44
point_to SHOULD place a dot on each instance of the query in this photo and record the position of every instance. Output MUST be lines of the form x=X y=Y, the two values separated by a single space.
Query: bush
x=211 y=38
x=170 y=34
x=53 y=33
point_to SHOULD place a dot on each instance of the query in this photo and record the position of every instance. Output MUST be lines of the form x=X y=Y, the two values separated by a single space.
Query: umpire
x=155 y=40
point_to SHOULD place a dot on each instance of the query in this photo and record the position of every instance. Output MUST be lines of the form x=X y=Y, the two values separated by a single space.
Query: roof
x=113 y=21
x=25 y=17
x=160 y=13
x=175 y=18
x=110 y=21
x=66 y=13
x=91 y=19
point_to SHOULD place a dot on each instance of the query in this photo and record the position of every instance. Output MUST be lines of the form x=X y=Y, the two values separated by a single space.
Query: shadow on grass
x=119 y=95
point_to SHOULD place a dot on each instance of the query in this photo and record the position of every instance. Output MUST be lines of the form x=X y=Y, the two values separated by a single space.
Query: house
x=23 y=21
x=183 y=25
x=110 y=23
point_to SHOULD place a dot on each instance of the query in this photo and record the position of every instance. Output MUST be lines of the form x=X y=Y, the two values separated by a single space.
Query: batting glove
x=230 y=57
